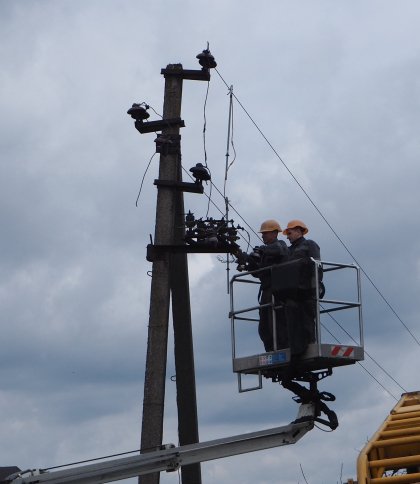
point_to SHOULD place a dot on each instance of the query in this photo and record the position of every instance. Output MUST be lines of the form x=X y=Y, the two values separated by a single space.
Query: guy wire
x=228 y=140
x=226 y=173
x=204 y=143
x=366 y=370
x=366 y=353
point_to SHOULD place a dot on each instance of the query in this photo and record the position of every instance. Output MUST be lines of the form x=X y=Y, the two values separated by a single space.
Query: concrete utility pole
x=168 y=252
x=154 y=385
x=170 y=276
x=184 y=351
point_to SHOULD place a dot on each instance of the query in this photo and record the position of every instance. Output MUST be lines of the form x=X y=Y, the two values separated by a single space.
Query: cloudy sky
x=334 y=86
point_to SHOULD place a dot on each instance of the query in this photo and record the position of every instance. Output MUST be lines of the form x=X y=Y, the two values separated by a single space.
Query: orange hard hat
x=269 y=226
x=294 y=224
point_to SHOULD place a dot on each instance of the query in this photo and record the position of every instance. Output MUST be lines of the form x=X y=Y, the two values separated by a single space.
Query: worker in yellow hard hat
x=301 y=311
x=273 y=251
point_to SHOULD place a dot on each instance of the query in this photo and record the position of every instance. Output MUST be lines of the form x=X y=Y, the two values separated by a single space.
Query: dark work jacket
x=302 y=247
x=274 y=253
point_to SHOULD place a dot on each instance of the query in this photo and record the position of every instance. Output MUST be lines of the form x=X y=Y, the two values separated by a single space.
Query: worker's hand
x=241 y=257
x=237 y=252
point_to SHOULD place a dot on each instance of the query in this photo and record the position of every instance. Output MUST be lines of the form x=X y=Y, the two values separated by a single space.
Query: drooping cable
x=147 y=106
x=303 y=474
x=205 y=124
x=204 y=143
x=223 y=213
x=228 y=141
x=144 y=175
x=248 y=242
x=229 y=204
x=384 y=299
x=239 y=215
x=226 y=174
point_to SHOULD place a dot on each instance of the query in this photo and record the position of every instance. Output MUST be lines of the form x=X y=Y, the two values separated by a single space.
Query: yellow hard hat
x=296 y=223
x=269 y=226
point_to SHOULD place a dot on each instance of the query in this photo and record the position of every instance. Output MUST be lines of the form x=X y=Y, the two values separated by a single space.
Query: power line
x=144 y=175
x=326 y=329
x=366 y=370
x=334 y=319
x=220 y=210
x=223 y=195
x=322 y=216
x=204 y=140
x=367 y=354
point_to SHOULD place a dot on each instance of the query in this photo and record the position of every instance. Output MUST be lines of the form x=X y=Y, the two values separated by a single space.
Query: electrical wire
x=366 y=370
x=366 y=353
x=144 y=175
x=384 y=299
x=341 y=473
x=239 y=215
x=228 y=204
x=205 y=124
x=228 y=141
x=223 y=195
x=303 y=474
x=147 y=106
x=225 y=180
x=379 y=366
x=204 y=143
x=220 y=210
x=94 y=459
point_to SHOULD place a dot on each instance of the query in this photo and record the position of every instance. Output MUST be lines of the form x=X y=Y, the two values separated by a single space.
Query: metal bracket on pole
x=188 y=74
x=159 y=125
x=157 y=252
x=168 y=144
x=181 y=186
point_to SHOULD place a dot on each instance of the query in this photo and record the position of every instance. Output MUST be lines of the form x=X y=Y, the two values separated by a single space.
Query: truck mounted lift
x=170 y=458
x=314 y=365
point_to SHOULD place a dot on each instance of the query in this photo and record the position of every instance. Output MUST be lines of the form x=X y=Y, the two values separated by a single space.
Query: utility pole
x=184 y=351
x=170 y=276
x=155 y=375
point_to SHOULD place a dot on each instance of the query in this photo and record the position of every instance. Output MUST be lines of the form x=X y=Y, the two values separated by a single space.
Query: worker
x=273 y=251
x=300 y=246
x=300 y=310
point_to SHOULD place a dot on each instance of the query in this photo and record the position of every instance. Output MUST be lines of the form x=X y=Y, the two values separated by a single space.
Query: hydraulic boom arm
x=170 y=459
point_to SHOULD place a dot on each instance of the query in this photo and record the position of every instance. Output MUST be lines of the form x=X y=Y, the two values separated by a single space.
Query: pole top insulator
x=206 y=60
x=138 y=112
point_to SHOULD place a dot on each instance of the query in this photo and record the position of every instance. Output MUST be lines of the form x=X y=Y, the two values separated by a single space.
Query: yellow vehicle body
x=392 y=455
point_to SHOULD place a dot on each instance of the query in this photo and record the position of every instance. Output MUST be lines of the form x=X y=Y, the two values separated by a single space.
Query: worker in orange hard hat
x=273 y=251
x=302 y=311
x=299 y=246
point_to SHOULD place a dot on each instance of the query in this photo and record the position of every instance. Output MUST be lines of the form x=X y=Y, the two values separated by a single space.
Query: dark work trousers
x=300 y=316
x=265 y=326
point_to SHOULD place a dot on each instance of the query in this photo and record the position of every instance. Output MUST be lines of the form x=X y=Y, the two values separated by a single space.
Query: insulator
x=190 y=219
x=206 y=60
x=200 y=173
x=138 y=112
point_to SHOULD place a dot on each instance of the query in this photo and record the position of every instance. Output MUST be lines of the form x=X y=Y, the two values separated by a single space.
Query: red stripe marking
x=335 y=350
x=348 y=352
